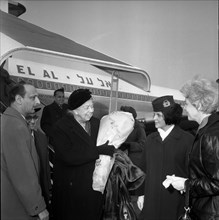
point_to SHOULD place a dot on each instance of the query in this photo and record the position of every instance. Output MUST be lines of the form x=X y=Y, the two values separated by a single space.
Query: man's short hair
x=59 y=90
x=17 y=89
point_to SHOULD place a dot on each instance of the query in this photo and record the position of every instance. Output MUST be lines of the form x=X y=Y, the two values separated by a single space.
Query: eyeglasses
x=87 y=107
x=30 y=117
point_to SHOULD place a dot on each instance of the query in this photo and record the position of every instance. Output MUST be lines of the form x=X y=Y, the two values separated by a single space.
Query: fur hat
x=78 y=98
x=163 y=103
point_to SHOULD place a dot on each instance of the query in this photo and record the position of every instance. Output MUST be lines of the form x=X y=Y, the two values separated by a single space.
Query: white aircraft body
x=50 y=61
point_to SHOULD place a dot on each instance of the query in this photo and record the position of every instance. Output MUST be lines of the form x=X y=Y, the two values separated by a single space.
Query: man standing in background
x=53 y=112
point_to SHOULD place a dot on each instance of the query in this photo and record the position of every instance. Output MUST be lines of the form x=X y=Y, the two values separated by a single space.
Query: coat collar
x=75 y=127
x=175 y=134
x=56 y=106
x=212 y=119
x=14 y=113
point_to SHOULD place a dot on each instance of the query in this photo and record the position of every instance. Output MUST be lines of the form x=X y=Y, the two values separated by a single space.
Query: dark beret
x=78 y=98
x=130 y=110
x=163 y=103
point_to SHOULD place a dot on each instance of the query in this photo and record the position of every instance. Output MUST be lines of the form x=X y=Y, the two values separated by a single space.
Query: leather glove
x=140 y=202
x=124 y=146
x=178 y=183
x=106 y=149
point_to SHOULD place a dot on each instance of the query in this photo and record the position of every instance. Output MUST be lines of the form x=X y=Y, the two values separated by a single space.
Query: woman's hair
x=202 y=93
x=173 y=115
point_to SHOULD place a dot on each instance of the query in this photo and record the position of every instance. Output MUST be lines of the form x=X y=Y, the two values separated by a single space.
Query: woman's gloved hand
x=124 y=146
x=140 y=202
x=106 y=149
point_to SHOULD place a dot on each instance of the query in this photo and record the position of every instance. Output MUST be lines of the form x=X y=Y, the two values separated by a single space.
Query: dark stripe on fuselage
x=49 y=85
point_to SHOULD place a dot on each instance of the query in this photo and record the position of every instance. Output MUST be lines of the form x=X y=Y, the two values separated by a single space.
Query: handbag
x=186 y=214
x=126 y=209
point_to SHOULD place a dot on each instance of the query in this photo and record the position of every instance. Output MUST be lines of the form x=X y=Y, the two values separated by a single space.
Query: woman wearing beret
x=201 y=105
x=165 y=153
x=75 y=155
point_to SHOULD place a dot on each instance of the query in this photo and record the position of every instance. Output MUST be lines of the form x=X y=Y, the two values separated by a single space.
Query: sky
x=172 y=41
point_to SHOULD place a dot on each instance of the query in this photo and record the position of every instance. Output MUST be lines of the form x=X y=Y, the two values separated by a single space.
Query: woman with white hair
x=201 y=104
x=74 y=138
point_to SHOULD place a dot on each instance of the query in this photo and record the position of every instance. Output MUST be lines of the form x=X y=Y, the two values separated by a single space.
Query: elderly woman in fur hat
x=75 y=155
x=165 y=153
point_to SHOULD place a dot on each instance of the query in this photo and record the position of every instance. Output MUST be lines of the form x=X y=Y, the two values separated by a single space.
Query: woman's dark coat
x=162 y=158
x=75 y=156
x=204 y=171
x=136 y=141
x=51 y=114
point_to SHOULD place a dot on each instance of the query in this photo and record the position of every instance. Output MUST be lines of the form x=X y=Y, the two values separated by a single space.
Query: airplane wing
x=18 y=35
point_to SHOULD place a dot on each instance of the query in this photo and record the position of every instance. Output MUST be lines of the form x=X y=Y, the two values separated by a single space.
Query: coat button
x=70 y=183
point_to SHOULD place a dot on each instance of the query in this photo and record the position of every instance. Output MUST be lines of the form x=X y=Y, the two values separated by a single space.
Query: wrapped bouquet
x=114 y=128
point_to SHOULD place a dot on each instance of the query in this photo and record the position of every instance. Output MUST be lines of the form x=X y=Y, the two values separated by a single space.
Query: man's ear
x=18 y=99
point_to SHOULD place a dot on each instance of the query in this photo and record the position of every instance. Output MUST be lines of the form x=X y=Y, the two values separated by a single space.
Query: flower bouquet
x=114 y=128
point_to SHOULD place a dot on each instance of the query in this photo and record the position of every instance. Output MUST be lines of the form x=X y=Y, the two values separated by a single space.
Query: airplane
x=50 y=61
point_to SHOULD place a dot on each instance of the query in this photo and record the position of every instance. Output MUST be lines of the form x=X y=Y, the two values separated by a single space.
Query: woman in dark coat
x=75 y=155
x=135 y=142
x=165 y=154
x=201 y=104
x=133 y=146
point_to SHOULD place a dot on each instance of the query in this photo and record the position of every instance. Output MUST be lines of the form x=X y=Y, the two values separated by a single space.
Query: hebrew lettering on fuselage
x=89 y=81
x=107 y=83
x=101 y=81
x=82 y=80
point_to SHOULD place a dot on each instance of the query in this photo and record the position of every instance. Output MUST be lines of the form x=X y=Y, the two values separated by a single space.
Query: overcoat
x=136 y=140
x=159 y=159
x=204 y=170
x=41 y=144
x=51 y=114
x=21 y=192
x=75 y=156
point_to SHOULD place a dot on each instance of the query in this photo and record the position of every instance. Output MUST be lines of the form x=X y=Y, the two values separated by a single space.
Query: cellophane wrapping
x=114 y=128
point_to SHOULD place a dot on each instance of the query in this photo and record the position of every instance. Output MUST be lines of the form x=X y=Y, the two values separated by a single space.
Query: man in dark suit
x=41 y=145
x=53 y=112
